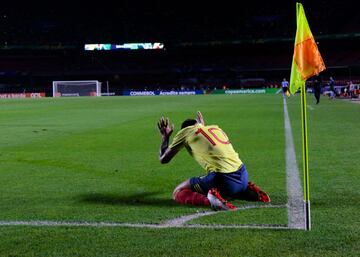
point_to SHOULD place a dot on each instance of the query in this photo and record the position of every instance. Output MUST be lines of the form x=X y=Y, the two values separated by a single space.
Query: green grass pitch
x=96 y=160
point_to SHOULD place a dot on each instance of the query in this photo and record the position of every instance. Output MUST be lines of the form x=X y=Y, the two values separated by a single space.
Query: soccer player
x=226 y=177
x=285 y=87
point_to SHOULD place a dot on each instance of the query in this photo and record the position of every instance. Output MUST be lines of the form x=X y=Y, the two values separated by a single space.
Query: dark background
x=208 y=45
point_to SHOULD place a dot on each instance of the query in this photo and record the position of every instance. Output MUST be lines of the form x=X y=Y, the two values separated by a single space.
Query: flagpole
x=306 y=63
x=305 y=158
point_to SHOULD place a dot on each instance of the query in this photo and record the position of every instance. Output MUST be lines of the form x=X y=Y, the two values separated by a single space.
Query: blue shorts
x=229 y=184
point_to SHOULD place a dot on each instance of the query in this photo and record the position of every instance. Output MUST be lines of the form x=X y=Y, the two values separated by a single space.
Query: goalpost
x=77 y=88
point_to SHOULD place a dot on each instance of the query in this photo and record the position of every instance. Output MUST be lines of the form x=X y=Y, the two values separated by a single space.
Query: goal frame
x=56 y=82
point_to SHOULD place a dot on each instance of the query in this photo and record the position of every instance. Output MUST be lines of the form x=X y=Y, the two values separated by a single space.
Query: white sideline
x=135 y=225
x=179 y=222
x=296 y=216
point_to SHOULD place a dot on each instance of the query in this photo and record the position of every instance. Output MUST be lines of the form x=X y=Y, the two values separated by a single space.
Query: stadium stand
x=217 y=46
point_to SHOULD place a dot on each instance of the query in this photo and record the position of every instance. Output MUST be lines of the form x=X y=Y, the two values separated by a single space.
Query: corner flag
x=307 y=60
x=306 y=63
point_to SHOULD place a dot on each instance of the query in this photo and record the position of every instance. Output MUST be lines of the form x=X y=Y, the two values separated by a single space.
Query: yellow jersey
x=209 y=146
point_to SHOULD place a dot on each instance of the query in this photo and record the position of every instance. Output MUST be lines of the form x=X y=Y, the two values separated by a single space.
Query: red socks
x=186 y=196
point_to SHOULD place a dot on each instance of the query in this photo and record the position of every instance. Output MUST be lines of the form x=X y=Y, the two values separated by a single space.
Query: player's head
x=188 y=122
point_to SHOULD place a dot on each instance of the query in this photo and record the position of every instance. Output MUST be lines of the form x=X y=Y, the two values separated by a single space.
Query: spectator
x=351 y=89
x=317 y=88
x=332 y=88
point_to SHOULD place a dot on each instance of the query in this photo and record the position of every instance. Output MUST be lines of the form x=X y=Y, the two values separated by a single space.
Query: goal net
x=76 y=88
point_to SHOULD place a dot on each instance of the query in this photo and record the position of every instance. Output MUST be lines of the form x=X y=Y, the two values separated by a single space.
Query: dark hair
x=188 y=122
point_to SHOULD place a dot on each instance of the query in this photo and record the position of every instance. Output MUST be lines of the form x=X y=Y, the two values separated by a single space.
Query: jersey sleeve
x=179 y=140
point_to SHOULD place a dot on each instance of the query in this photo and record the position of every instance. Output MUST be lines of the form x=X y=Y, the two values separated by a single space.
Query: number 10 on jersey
x=213 y=137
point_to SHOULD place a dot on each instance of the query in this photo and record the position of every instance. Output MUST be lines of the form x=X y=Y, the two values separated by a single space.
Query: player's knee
x=182 y=186
x=176 y=191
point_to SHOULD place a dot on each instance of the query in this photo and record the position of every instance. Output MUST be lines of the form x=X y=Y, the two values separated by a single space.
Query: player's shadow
x=137 y=199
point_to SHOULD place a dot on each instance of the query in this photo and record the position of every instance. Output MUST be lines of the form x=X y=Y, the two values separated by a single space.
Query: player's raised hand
x=200 y=118
x=165 y=128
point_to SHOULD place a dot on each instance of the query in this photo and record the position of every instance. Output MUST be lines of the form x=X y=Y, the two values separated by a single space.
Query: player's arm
x=200 y=118
x=166 y=153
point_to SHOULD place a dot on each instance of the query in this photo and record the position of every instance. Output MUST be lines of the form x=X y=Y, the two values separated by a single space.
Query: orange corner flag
x=307 y=60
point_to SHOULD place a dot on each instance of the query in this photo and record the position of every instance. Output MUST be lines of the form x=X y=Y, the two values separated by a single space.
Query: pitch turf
x=96 y=160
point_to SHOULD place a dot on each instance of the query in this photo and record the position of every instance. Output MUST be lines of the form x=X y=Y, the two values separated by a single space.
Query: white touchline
x=296 y=217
